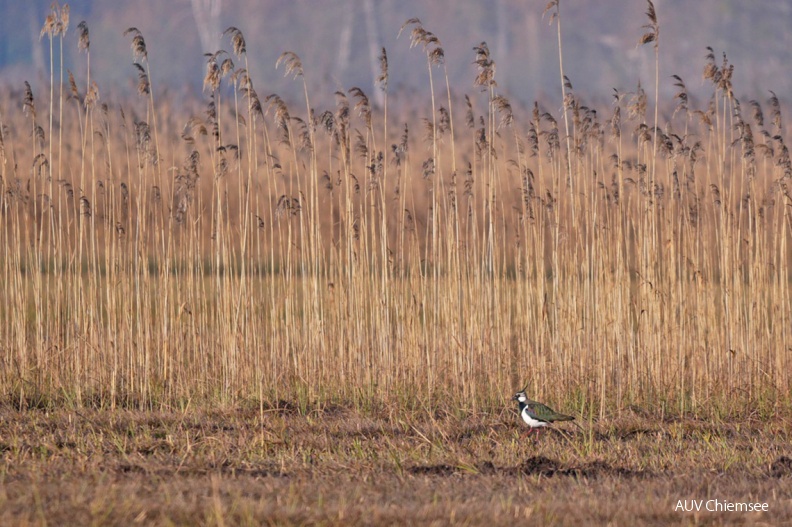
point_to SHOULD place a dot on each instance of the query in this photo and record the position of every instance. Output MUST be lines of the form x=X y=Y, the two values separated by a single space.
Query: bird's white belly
x=533 y=423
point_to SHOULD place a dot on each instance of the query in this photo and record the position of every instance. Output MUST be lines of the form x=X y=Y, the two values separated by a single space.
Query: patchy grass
x=340 y=466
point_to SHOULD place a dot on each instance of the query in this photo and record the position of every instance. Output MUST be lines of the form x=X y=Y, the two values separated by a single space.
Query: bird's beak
x=515 y=398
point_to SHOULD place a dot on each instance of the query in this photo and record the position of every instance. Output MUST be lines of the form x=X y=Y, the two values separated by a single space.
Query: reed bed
x=264 y=249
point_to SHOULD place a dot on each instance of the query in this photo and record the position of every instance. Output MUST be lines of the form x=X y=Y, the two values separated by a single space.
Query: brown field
x=383 y=466
x=390 y=275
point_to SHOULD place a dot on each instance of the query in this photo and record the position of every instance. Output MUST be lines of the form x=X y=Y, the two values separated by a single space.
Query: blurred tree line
x=338 y=41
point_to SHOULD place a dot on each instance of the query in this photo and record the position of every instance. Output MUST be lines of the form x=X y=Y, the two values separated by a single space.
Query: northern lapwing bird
x=537 y=415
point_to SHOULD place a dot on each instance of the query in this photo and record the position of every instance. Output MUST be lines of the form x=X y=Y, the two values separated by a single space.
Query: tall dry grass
x=258 y=249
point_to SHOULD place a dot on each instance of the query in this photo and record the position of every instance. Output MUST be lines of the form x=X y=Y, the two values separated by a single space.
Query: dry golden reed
x=262 y=248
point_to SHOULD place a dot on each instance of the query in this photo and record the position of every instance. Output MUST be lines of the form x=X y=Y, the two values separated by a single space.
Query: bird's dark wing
x=545 y=413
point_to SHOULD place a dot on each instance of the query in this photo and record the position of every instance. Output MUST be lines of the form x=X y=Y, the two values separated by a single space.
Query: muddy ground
x=341 y=466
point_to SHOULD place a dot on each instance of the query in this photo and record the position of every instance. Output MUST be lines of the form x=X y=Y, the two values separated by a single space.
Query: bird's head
x=520 y=396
